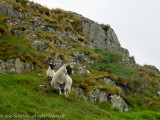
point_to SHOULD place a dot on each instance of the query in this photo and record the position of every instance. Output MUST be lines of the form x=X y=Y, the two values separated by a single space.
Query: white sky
x=136 y=23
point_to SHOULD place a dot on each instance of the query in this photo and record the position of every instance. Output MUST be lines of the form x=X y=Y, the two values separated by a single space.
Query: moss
x=95 y=58
x=113 y=77
x=68 y=27
x=23 y=2
x=17 y=6
x=21 y=27
x=44 y=10
x=114 y=90
x=3 y=32
x=72 y=39
x=81 y=38
x=50 y=20
x=4 y=18
x=57 y=27
x=105 y=27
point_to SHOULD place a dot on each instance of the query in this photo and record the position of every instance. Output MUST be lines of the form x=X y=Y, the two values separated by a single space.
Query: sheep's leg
x=65 y=89
x=68 y=90
x=59 y=90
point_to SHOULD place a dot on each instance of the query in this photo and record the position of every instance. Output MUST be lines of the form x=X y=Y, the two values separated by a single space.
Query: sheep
x=50 y=71
x=61 y=77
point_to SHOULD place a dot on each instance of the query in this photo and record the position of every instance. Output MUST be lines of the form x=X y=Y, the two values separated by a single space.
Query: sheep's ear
x=69 y=70
x=52 y=66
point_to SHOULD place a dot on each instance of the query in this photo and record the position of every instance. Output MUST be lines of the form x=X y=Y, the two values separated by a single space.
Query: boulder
x=39 y=45
x=7 y=10
x=97 y=96
x=15 y=65
x=119 y=102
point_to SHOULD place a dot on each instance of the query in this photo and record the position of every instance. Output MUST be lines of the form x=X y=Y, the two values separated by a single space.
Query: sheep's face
x=69 y=70
x=52 y=66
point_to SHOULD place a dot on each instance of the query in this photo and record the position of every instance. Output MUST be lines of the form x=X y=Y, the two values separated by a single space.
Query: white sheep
x=61 y=77
x=50 y=71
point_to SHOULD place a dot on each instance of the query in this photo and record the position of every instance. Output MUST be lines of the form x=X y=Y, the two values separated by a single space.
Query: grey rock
x=88 y=72
x=78 y=58
x=33 y=6
x=7 y=10
x=28 y=5
x=97 y=96
x=33 y=37
x=119 y=102
x=2 y=66
x=125 y=51
x=45 y=87
x=37 y=22
x=152 y=68
x=112 y=42
x=109 y=81
x=39 y=45
x=15 y=65
x=95 y=33
x=28 y=66
x=79 y=91
x=19 y=66
x=56 y=59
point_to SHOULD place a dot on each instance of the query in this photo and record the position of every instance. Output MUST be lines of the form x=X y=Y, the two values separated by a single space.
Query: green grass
x=20 y=94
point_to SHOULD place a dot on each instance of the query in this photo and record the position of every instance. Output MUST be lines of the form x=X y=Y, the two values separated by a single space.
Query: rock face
x=97 y=36
x=6 y=10
x=78 y=57
x=15 y=65
x=95 y=33
x=39 y=45
x=119 y=102
x=152 y=68
x=97 y=95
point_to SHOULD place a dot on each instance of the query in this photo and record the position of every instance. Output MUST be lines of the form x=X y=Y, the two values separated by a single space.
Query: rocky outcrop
x=15 y=65
x=95 y=33
x=79 y=57
x=97 y=95
x=40 y=46
x=7 y=10
x=97 y=36
x=152 y=68
x=119 y=102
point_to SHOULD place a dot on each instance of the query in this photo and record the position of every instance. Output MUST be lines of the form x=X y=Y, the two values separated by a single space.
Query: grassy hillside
x=20 y=93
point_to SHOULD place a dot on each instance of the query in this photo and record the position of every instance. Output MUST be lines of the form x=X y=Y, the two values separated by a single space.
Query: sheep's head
x=52 y=66
x=69 y=70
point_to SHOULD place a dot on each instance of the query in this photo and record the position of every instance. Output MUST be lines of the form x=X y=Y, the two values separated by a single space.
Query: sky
x=136 y=23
